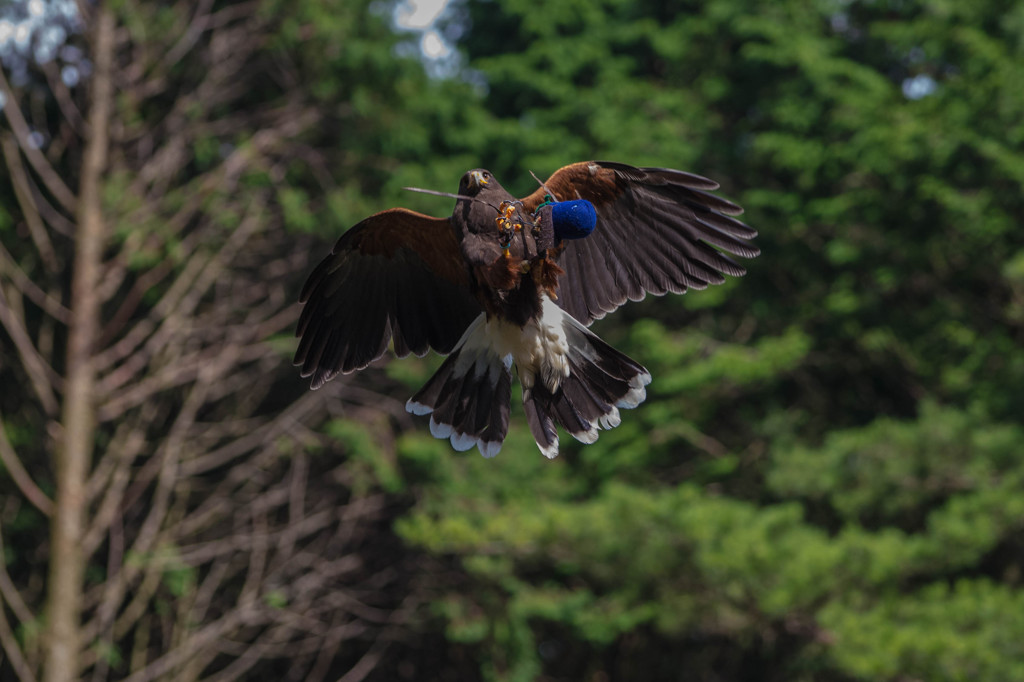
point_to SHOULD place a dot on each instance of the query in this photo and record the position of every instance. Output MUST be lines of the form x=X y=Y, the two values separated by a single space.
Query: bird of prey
x=506 y=281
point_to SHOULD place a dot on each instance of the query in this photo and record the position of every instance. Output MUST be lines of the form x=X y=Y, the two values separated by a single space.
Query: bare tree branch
x=267 y=433
x=202 y=638
x=71 y=113
x=60 y=223
x=39 y=164
x=366 y=664
x=23 y=191
x=9 y=644
x=10 y=593
x=52 y=306
x=20 y=476
x=198 y=275
x=40 y=374
x=195 y=27
x=143 y=329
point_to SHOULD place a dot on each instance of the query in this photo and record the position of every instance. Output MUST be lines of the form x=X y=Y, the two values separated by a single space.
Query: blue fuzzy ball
x=573 y=219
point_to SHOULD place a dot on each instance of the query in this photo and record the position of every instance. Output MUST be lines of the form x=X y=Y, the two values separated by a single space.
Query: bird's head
x=477 y=180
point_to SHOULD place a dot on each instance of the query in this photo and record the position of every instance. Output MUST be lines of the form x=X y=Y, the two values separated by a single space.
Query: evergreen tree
x=827 y=460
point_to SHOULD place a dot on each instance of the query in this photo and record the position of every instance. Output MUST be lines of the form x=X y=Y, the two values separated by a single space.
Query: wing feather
x=659 y=230
x=398 y=275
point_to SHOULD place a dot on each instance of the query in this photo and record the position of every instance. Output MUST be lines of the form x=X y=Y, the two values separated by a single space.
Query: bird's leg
x=507 y=228
x=535 y=218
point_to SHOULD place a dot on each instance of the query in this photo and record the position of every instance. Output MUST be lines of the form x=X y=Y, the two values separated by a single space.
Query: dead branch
x=20 y=476
x=9 y=645
x=40 y=373
x=23 y=192
x=50 y=177
x=11 y=595
x=25 y=285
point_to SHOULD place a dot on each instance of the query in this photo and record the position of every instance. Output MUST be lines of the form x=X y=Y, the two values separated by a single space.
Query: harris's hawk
x=508 y=281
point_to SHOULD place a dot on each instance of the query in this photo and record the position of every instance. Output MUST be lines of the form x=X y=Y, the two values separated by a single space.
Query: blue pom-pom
x=573 y=219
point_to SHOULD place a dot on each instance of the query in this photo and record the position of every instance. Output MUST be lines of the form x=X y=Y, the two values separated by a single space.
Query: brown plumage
x=396 y=275
x=656 y=235
x=459 y=285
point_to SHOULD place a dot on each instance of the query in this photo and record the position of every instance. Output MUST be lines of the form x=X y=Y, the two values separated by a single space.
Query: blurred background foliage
x=826 y=481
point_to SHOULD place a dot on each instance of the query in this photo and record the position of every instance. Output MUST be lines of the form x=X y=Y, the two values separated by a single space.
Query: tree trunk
x=74 y=451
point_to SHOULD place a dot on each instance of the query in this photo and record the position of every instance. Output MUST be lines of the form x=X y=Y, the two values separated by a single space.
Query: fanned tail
x=469 y=396
x=600 y=381
x=571 y=378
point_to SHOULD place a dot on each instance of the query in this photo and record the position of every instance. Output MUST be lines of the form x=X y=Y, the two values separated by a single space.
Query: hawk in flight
x=508 y=281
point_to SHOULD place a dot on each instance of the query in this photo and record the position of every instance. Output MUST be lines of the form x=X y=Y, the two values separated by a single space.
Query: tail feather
x=600 y=399
x=542 y=426
x=570 y=377
x=468 y=398
x=572 y=416
x=600 y=381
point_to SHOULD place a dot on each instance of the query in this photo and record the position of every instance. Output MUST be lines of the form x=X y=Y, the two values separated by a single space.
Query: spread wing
x=656 y=232
x=398 y=274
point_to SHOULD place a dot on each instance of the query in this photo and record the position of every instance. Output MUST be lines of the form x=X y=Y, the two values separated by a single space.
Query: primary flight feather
x=508 y=281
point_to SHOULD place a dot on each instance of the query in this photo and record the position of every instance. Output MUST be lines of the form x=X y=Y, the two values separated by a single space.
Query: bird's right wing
x=396 y=275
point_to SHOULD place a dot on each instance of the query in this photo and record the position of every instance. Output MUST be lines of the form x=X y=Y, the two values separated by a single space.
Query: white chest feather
x=539 y=349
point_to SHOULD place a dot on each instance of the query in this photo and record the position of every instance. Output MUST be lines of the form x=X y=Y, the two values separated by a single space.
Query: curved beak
x=477 y=179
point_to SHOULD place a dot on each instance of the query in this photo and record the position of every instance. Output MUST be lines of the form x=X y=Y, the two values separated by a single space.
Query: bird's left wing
x=658 y=231
x=396 y=275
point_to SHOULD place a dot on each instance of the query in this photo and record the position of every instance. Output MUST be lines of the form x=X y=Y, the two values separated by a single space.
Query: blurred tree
x=827 y=458
x=160 y=170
